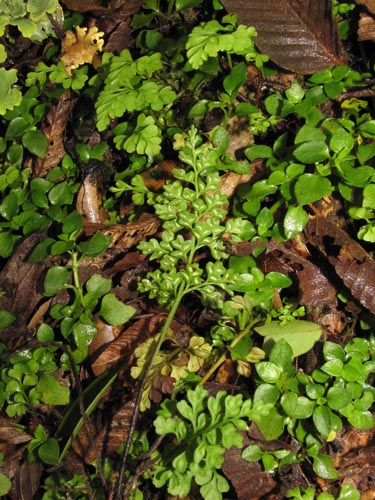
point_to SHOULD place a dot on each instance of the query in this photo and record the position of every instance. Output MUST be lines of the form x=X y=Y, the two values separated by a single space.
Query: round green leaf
x=311 y=187
x=295 y=221
x=323 y=467
x=115 y=312
x=312 y=152
x=325 y=421
x=35 y=141
x=7 y=242
x=96 y=245
x=341 y=139
x=5 y=484
x=55 y=280
x=49 y=452
x=6 y=319
x=51 y=391
x=45 y=333
x=296 y=406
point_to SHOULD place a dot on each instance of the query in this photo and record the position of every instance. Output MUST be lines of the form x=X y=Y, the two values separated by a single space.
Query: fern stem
x=182 y=290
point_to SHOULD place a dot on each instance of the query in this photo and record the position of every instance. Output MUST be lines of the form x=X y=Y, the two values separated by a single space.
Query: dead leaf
x=54 y=130
x=124 y=236
x=131 y=6
x=298 y=35
x=81 y=47
x=122 y=348
x=370 y=4
x=315 y=290
x=366 y=27
x=19 y=280
x=242 y=473
x=351 y=261
x=89 y=199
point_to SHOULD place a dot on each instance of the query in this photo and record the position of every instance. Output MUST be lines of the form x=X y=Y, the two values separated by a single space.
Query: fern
x=210 y=38
x=128 y=87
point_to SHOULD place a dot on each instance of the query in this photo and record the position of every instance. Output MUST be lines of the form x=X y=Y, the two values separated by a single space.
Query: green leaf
x=295 y=406
x=96 y=245
x=326 y=422
x=5 y=484
x=45 y=333
x=9 y=96
x=35 y=141
x=295 y=221
x=49 y=452
x=322 y=465
x=51 y=391
x=115 y=312
x=311 y=187
x=7 y=242
x=6 y=319
x=235 y=79
x=55 y=280
x=311 y=152
x=301 y=335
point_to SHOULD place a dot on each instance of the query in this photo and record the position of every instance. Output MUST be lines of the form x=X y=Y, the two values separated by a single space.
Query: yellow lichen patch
x=81 y=47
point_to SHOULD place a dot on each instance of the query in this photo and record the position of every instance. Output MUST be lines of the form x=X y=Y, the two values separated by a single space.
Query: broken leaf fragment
x=81 y=47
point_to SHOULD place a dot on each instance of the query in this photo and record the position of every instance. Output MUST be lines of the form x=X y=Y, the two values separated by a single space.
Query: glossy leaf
x=301 y=335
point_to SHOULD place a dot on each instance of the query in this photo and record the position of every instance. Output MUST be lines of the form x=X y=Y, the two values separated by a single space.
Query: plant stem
x=182 y=290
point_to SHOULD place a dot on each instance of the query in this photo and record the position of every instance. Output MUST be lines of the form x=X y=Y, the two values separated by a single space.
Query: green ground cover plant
x=156 y=126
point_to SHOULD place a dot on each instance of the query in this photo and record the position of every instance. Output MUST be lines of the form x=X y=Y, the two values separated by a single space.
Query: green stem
x=223 y=357
x=182 y=290
x=76 y=282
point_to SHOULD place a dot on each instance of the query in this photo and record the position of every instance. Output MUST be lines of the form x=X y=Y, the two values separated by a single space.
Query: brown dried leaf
x=124 y=236
x=298 y=35
x=242 y=473
x=81 y=47
x=123 y=346
x=366 y=27
x=316 y=291
x=54 y=130
x=19 y=281
x=351 y=262
x=89 y=199
x=370 y=4
x=131 y=6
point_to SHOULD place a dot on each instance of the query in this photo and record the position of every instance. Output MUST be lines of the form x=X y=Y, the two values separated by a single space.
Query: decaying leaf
x=81 y=47
x=351 y=262
x=316 y=291
x=54 y=130
x=20 y=283
x=241 y=473
x=298 y=35
x=89 y=199
x=122 y=348
x=366 y=27
x=370 y=4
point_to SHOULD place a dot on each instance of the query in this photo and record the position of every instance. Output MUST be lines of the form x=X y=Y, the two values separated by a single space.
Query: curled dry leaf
x=81 y=47
x=366 y=27
x=370 y=4
x=351 y=261
x=89 y=199
x=298 y=35
x=54 y=129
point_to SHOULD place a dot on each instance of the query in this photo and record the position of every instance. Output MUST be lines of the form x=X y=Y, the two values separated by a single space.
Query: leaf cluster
x=202 y=428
